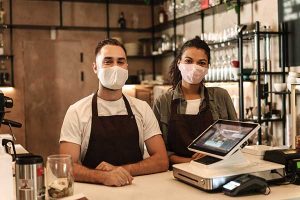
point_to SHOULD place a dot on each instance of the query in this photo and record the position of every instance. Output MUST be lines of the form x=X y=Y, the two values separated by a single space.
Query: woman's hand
x=197 y=156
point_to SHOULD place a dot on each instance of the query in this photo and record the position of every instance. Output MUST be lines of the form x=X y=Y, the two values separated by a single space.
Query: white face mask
x=192 y=73
x=113 y=77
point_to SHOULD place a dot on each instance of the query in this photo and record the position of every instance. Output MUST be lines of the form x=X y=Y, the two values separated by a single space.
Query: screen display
x=222 y=137
x=298 y=165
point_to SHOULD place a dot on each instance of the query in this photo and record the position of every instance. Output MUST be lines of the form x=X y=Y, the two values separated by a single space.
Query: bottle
x=2 y=13
x=135 y=20
x=122 y=21
x=1 y=44
x=162 y=15
x=6 y=180
x=2 y=65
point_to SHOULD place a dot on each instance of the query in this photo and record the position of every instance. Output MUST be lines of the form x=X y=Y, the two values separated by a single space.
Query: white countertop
x=164 y=186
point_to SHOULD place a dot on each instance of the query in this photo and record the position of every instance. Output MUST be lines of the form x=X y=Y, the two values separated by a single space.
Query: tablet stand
x=237 y=158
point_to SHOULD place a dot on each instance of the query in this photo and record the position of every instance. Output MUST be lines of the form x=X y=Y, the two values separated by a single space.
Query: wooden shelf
x=6 y=57
x=164 y=54
x=77 y=28
x=139 y=57
x=133 y=2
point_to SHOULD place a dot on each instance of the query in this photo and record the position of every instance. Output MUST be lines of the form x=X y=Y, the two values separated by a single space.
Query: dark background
x=293 y=28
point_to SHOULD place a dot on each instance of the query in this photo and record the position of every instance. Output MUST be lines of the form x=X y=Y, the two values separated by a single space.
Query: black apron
x=114 y=139
x=183 y=129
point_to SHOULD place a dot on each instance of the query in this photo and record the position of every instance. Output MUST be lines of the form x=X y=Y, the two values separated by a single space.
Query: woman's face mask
x=192 y=73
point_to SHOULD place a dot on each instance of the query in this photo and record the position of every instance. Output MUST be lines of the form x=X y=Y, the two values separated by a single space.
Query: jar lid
x=28 y=159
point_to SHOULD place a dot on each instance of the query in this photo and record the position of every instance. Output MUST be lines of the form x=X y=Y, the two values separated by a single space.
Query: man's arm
x=116 y=177
x=157 y=162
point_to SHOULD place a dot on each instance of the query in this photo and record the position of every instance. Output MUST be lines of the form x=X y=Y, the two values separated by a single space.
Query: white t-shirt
x=192 y=106
x=76 y=127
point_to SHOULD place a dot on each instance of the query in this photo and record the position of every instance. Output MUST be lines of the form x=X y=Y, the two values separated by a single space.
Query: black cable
x=286 y=178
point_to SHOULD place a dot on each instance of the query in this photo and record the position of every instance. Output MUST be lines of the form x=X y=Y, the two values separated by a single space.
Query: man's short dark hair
x=109 y=41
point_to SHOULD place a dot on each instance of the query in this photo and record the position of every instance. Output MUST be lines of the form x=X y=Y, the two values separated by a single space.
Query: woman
x=189 y=107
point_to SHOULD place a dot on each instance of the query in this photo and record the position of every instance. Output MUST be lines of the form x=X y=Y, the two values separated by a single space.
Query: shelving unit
x=61 y=25
x=7 y=74
x=258 y=35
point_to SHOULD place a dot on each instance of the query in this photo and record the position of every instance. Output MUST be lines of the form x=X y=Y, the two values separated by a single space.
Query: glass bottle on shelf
x=122 y=21
x=2 y=65
x=162 y=15
x=2 y=13
x=1 y=44
x=135 y=20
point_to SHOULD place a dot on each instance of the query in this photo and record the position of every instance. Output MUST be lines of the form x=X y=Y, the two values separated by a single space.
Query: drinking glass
x=59 y=176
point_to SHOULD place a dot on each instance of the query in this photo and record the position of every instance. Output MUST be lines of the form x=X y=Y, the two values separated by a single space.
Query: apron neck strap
x=95 y=110
x=203 y=106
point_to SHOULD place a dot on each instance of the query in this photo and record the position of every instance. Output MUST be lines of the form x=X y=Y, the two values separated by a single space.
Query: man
x=106 y=131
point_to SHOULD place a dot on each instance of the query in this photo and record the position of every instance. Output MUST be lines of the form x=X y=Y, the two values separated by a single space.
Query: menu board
x=289 y=13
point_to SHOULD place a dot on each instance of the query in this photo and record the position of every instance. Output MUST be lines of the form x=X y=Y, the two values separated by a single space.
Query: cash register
x=222 y=143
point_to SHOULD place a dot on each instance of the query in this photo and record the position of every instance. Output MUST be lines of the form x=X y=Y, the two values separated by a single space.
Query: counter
x=163 y=186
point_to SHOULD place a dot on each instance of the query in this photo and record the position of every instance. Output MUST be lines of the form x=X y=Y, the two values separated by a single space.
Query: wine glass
x=59 y=175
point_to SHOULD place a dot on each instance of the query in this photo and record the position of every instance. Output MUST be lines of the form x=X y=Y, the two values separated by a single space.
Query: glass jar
x=60 y=179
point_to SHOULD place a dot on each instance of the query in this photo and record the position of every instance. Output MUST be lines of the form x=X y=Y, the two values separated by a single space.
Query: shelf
x=3 y=26
x=130 y=29
x=134 y=2
x=269 y=73
x=229 y=81
x=164 y=54
x=224 y=44
x=6 y=57
x=266 y=120
x=272 y=33
x=279 y=93
x=139 y=57
x=76 y=28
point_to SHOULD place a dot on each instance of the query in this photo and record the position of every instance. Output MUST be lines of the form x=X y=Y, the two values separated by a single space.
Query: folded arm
x=115 y=177
x=157 y=162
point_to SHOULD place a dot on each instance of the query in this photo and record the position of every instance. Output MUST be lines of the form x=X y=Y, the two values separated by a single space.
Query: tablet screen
x=223 y=136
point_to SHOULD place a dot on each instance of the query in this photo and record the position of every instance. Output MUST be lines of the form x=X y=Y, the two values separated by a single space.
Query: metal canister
x=30 y=183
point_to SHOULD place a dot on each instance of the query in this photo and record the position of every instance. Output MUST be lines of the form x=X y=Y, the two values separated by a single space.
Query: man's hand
x=104 y=166
x=117 y=177
x=196 y=156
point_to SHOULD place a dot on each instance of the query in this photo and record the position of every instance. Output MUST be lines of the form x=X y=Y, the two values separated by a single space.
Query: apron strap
x=95 y=110
x=94 y=105
x=128 y=108
x=204 y=105
x=174 y=104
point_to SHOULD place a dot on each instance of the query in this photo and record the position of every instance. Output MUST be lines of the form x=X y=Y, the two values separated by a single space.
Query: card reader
x=245 y=184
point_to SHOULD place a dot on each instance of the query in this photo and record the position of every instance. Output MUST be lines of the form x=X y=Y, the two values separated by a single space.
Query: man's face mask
x=112 y=77
x=192 y=73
